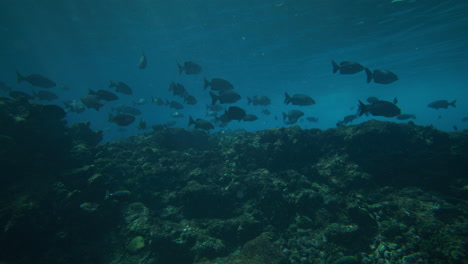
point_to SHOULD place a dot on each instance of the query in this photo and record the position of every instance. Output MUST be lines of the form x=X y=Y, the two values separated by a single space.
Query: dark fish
x=125 y=109
x=218 y=84
x=91 y=101
x=442 y=104
x=347 y=119
x=74 y=106
x=190 y=99
x=142 y=63
x=292 y=116
x=201 y=123
x=174 y=104
x=19 y=95
x=177 y=115
x=141 y=125
x=226 y=97
x=381 y=76
x=36 y=80
x=259 y=100
x=372 y=99
x=405 y=117
x=4 y=87
x=347 y=67
x=189 y=67
x=123 y=119
x=215 y=107
x=157 y=101
x=298 y=99
x=379 y=108
x=104 y=95
x=312 y=119
x=45 y=95
x=233 y=113
x=177 y=89
x=121 y=87
x=250 y=118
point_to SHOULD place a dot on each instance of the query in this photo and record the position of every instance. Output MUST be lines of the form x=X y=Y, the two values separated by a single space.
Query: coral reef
x=376 y=192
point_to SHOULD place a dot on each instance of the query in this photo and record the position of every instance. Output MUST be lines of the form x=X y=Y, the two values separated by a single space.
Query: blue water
x=262 y=47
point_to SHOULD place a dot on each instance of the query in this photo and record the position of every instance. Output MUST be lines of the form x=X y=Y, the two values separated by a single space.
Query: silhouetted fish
x=201 y=123
x=104 y=95
x=379 y=108
x=189 y=67
x=121 y=87
x=347 y=67
x=381 y=76
x=226 y=97
x=298 y=99
x=442 y=104
x=36 y=80
x=218 y=84
x=122 y=119
x=91 y=101
x=292 y=116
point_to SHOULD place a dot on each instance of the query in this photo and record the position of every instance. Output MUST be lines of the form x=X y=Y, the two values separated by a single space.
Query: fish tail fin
x=207 y=83
x=284 y=116
x=287 y=98
x=19 y=77
x=214 y=98
x=249 y=100
x=362 y=109
x=454 y=103
x=181 y=68
x=336 y=67
x=191 y=121
x=369 y=75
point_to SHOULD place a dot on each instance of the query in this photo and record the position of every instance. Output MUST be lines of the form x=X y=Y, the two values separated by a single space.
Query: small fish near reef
x=201 y=123
x=122 y=119
x=189 y=67
x=347 y=67
x=36 y=80
x=292 y=116
x=143 y=62
x=379 y=108
x=122 y=195
x=381 y=76
x=442 y=104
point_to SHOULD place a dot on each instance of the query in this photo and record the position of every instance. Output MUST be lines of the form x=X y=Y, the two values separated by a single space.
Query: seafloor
x=377 y=192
